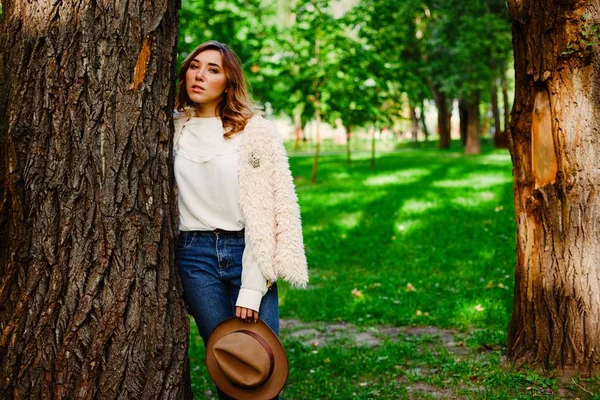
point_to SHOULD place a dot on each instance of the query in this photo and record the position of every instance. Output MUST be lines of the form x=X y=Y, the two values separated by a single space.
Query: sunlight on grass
x=397 y=177
x=349 y=220
x=497 y=157
x=335 y=198
x=478 y=311
x=475 y=199
x=340 y=176
x=475 y=181
x=417 y=206
x=405 y=226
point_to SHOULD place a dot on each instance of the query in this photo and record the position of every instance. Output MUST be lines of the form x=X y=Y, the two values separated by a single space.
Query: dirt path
x=320 y=334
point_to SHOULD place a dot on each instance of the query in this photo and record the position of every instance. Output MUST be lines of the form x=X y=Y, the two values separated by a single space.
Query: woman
x=239 y=218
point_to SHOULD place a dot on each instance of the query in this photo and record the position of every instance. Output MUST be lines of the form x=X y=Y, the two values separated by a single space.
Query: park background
x=452 y=236
x=395 y=117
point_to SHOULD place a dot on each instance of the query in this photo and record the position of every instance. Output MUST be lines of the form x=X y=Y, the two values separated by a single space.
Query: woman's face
x=205 y=81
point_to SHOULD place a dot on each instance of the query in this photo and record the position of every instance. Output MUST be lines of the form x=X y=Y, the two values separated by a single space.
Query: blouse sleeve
x=254 y=284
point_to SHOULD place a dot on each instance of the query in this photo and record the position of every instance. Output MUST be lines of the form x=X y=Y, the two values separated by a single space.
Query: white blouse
x=206 y=172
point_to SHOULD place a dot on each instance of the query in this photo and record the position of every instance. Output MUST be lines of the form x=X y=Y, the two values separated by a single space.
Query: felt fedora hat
x=246 y=360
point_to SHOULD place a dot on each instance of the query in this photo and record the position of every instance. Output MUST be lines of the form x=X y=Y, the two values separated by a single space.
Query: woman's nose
x=200 y=75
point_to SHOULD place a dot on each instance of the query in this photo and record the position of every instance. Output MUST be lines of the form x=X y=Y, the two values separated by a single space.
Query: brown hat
x=246 y=360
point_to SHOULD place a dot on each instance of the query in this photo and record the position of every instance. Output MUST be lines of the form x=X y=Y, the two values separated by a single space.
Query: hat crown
x=228 y=373
x=244 y=358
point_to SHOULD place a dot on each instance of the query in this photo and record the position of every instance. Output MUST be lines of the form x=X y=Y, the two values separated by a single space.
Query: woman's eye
x=194 y=67
x=214 y=71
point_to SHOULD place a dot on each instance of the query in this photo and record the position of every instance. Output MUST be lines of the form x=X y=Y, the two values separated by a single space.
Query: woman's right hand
x=246 y=314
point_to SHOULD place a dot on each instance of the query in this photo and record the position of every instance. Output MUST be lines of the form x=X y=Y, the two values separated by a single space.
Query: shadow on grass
x=426 y=238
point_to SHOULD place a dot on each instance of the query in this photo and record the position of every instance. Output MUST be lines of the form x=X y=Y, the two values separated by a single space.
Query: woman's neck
x=205 y=112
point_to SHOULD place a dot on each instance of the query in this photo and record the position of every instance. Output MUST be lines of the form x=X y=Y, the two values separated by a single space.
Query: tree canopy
x=362 y=64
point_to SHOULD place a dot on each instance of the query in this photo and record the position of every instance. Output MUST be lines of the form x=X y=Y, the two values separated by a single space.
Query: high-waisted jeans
x=210 y=267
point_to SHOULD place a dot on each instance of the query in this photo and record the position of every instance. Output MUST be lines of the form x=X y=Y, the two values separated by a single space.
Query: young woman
x=239 y=218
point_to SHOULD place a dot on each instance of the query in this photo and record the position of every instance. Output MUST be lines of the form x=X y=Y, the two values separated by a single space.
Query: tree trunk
x=443 y=118
x=463 y=117
x=484 y=119
x=90 y=299
x=499 y=136
x=297 y=129
x=414 y=127
x=423 y=123
x=317 y=107
x=555 y=147
x=315 y=167
x=506 y=105
x=472 y=145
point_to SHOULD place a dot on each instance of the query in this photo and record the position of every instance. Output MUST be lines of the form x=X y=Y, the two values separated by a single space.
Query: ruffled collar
x=202 y=140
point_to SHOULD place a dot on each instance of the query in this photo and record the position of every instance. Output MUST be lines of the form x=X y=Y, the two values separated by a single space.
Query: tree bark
x=90 y=299
x=473 y=143
x=414 y=126
x=554 y=146
x=506 y=106
x=315 y=168
x=443 y=118
x=297 y=130
x=463 y=120
x=500 y=137
x=423 y=123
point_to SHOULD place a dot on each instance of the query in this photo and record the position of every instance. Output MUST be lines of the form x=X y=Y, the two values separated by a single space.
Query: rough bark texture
x=555 y=146
x=90 y=303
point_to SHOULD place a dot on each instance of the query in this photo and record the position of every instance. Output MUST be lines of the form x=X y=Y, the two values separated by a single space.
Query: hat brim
x=266 y=390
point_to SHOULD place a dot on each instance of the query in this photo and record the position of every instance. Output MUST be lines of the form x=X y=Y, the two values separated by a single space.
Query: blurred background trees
x=380 y=67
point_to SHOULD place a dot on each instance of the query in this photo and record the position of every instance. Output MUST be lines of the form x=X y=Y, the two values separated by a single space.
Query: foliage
x=392 y=31
x=464 y=40
x=361 y=67
x=309 y=58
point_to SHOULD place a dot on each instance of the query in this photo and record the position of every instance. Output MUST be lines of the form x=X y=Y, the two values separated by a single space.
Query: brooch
x=254 y=160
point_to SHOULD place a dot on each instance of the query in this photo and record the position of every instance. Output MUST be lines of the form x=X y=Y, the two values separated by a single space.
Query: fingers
x=246 y=314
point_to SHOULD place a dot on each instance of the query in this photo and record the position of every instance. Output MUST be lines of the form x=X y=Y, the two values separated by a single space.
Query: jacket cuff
x=249 y=298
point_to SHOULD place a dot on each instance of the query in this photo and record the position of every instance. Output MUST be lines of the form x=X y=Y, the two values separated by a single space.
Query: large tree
x=555 y=143
x=90 y=303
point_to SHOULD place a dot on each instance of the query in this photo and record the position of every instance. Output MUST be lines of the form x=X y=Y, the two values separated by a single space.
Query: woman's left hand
x=246 y=314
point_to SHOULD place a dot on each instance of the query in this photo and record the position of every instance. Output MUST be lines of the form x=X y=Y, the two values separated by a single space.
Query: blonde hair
x=237 y=106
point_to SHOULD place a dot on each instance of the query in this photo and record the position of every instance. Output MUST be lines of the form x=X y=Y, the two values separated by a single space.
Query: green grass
x=427 y=239
x=438 y=221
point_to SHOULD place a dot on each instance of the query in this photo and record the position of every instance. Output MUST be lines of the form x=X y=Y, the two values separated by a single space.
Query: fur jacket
x=268 y=201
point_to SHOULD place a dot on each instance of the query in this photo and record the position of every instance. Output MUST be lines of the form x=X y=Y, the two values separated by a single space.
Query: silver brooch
x=254 y=160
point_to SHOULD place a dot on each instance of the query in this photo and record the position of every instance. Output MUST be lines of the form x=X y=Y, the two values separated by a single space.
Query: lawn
x=411 y=283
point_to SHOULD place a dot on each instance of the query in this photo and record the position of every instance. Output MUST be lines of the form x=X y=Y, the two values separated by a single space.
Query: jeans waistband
x=219 y=232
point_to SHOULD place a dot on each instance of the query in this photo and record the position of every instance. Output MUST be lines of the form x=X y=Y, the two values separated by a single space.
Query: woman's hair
x=236 y=107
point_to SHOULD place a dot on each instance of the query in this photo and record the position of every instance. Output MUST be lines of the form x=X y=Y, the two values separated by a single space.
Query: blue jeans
x=210 y=267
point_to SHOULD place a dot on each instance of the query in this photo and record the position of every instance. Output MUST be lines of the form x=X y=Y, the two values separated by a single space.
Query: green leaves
x=361 y=66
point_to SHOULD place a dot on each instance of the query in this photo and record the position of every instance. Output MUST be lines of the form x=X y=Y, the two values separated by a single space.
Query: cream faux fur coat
x=268 y=202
